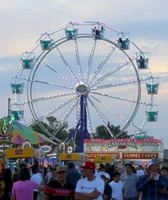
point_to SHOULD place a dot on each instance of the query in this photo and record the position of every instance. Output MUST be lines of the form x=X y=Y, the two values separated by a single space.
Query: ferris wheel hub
x=81 y=88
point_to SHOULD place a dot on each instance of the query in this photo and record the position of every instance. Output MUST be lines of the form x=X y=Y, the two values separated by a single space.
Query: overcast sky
x=23 y=21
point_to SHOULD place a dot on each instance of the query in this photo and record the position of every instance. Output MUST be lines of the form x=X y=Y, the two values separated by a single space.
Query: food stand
x=124 y=149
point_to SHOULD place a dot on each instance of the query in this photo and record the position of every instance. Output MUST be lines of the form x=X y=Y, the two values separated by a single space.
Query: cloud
x=146 y=21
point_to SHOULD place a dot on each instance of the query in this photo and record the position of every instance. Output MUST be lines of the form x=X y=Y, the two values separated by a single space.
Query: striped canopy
x=22 y=133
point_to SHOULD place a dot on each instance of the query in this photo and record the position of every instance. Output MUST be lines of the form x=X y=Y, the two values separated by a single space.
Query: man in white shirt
x=91 y=187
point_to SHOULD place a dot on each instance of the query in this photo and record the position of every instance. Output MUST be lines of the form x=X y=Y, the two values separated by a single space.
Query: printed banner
x=122 y=145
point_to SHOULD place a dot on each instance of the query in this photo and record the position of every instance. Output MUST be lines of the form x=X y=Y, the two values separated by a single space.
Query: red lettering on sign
x=139 y=155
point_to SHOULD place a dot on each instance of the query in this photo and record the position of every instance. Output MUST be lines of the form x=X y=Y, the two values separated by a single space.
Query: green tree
x=103 y=132
x=53 y=125
x=36 y=127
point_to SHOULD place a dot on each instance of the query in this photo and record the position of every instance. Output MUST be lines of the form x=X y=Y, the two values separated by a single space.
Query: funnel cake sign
x=122 y=145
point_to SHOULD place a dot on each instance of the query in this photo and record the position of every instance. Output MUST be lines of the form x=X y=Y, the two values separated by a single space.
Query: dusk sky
x=23 y=21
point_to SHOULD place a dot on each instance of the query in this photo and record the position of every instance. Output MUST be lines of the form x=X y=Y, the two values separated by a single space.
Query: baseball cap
x=89 y=165
x=61 y=169
x=153 y=162
x=105 y=175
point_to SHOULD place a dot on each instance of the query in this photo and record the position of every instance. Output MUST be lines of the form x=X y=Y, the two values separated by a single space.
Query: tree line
x=64 y=131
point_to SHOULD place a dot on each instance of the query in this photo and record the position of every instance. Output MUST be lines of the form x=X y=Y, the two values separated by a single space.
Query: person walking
x=91 y=187
x=23 y=189
x=107 y=189
x=37 y=178
x=130 y=181
x=48 y=175
x=7 y=178
x=117 y=187
x=60 y=189
x=73 y=175
x=152 y=185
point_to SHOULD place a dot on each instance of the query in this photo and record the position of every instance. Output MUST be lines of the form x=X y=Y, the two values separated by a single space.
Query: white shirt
x=117 y=190
x=85 y=186
x=37 y=178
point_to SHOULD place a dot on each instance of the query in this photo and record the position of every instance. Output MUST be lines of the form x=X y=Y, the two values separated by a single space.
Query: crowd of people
x=88 y=182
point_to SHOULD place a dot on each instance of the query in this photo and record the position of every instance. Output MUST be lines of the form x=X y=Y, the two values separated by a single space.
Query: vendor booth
x=124 y=149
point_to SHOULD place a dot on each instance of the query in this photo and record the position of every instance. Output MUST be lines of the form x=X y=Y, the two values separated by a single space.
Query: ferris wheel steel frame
x=85 y=82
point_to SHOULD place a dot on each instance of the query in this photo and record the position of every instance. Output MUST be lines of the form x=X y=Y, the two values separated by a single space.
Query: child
x=117 y=187
x=107 y=189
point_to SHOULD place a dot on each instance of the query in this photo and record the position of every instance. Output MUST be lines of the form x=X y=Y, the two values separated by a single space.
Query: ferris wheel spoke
x=52 y=97
x=120 y=83
x=98 y=113
x=110 y=109
x=77 y=114
x=59 y=74
x=88 y=68
x=121 y=98
x=78 y=60
x=52 y=84
x=77 y=120
x=120 y=116
x=101 y=65
x=64 y=118
x=89 y=121
x=57 y=108
x=116 y=69
x=44 y=82
x=43 y=98
x=66 y=64
x=143 y=123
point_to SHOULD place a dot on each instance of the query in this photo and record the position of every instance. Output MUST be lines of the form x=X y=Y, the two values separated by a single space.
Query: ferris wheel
x=87 y=74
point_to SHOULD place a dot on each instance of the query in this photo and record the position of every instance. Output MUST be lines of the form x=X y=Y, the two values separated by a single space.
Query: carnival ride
x=87 y=74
